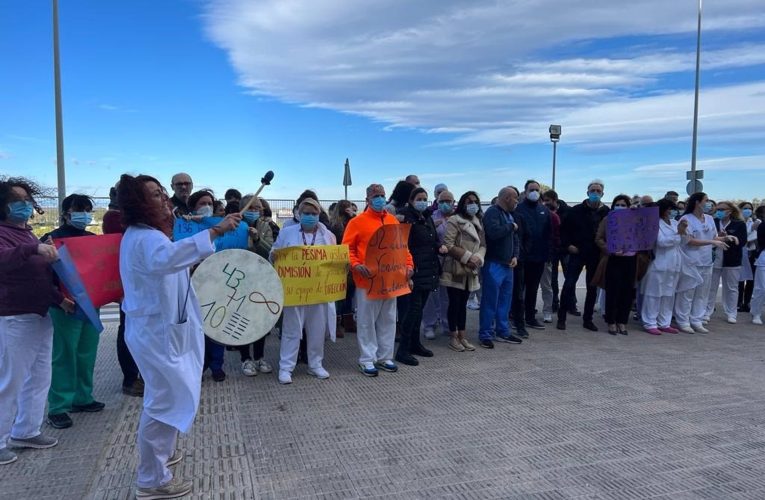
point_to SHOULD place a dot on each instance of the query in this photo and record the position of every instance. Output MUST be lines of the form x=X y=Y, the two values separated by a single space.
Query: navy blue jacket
x=536 y=231
x=501 y=238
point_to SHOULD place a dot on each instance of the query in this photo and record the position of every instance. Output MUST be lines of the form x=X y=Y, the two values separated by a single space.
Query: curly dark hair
x=136 y=205
x=462 y=203
x=194 y=198
x=401 y=193
x=6 y=192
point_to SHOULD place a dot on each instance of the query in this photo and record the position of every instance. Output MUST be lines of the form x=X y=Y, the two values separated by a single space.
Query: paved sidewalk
x=564 y=415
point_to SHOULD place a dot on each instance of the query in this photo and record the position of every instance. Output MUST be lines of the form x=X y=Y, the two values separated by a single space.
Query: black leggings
x=258 y=347
x=620 y=288
x=457 y=311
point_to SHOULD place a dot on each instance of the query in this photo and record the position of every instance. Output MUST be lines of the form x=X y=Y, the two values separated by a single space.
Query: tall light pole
x=693 y=178
x=555 y=131
x=59 y=123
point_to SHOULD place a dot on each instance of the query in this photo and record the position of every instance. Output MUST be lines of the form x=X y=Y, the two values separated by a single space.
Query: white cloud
x=483 y=71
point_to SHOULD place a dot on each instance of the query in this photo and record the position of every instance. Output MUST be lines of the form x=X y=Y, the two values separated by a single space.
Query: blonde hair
x=735 y=212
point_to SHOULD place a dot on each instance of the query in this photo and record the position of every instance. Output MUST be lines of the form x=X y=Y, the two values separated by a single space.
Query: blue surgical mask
x=708 y=207
x=205 y=211
x=378 y=203
x=533 y=196
x=421 y=205
x=618 y=207
x=747 y=213
x=80 y=220
x=719 y=214
x=446 y=207
x=594 y=197
x=673 y=214
x=309 y=221
x=20 y=211
x=471 y=208
x=251 y=216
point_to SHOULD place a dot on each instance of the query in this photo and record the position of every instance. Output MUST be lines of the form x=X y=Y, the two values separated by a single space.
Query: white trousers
x=691 y=305
x=547 y=291
x=656 y=312
x=729 y=277
x=297 y=318
x=156 y=444
x=375 y=327
x=758 y=296
x=26 y=346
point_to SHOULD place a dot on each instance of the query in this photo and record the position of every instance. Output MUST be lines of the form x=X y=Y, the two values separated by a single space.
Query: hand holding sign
x=386 y=261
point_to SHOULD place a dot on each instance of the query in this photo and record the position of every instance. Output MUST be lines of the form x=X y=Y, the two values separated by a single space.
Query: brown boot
x=467 y=345
x=339 y=329
x=455 y=344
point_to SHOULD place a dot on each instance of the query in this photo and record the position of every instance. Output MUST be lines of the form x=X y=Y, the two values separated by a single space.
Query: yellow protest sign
x=312 y=274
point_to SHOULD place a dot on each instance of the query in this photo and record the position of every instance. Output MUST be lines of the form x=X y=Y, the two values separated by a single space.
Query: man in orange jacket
x=376 y=319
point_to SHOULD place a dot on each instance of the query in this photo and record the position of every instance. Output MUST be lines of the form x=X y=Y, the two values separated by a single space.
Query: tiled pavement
x=564 y=415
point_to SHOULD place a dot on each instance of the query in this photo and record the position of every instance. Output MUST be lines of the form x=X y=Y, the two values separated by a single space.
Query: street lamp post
x=59 y=122
x=555 y=131
x=693 y=178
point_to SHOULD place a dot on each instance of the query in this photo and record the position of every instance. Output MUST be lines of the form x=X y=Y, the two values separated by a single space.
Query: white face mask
x=533 y=196
x=205 y=211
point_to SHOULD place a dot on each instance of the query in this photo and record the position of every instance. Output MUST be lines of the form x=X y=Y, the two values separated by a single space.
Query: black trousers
x=258 y=347
x=554 y=281
x=532 y=276
x=456 y=313
x=620 y=288
x=516 y=306
x=576 y=263
x=746 y=288
x=125 y=359
x=410 y=308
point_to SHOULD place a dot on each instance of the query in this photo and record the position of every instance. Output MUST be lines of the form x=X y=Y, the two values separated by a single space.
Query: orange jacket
x=358 y=232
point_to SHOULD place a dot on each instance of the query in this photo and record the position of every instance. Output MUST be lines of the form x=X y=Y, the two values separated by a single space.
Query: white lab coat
x=167 y=347
x=664 y=271
x=291 y=236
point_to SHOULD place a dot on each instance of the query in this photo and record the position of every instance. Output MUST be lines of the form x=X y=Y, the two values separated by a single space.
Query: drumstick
x=265 y=181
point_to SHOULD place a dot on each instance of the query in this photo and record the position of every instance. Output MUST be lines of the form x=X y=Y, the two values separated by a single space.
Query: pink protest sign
x=632 y=230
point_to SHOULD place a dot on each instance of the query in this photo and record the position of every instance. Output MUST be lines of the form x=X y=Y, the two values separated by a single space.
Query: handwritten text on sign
x=97 y=261
x=386 y=259
x=240 y=296
x=312 y=274
x=632 y=230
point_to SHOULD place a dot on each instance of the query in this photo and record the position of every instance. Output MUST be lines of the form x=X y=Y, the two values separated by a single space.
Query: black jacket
x=535 y=228
x=579 y=226
x=732 y=256
x=423 y=245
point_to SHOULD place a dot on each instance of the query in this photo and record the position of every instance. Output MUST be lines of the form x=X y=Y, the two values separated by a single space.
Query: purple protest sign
x=632 y=230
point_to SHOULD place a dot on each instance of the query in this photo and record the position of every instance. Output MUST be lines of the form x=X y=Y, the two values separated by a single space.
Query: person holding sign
x=315 y=319
x=376 y=318
x=27 y=291
x=691 y=305
x=75 y=341
x=163 y=326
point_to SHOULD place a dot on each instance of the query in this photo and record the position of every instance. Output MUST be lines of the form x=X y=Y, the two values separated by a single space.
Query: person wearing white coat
x=758 y=296
x=663 y=275
x=691 y=304
x=317 y=319
x=727 y=264
x=163 y=327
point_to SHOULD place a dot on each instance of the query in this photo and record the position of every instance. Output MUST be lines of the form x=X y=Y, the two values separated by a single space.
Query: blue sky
x=456 y=91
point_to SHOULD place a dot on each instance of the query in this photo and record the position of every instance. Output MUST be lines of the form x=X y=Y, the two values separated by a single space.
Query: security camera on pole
x=555 y=131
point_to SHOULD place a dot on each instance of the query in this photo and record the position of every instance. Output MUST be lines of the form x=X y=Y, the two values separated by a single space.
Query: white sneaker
x=285 y=377
x=731 y=320
x=319 y=373
x=757 y=320
x=547 y=318
x=705 y=320
x=249 y=369
x=473 y=304
x=686 y=329
x=699 y=328
x=263 y=366
x=429 y=334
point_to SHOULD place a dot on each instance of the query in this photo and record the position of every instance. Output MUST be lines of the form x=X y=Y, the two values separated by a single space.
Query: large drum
x=240 y=296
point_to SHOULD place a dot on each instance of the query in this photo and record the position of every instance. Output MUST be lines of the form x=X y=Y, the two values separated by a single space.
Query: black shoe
x=91 y=407
x=589 y=325
x=521 y=332
x=487 y=344
x=135 y=389
x=419 y=350
x=561 y=325
x=534 y=323
x=555 y=306
x=623 y=331
x=744 y=308
x=510 y=339
x=407 y=359
x=636 y=317
x=574 y=312
x=59 y=420
x=219 y=375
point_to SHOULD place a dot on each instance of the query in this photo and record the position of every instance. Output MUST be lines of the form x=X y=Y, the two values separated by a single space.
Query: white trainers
x=249 y=369
x=263 y=366
x=547 y=318
x=731 y=320
x=757 y=320
x=285 y=377
x=473 y=304
x=319 y=373
x=429 y=334
x=686 y=328
x=699 y=329
x=705 y=320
